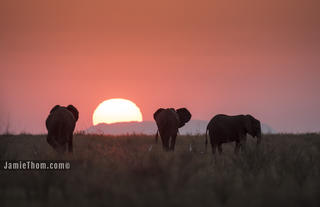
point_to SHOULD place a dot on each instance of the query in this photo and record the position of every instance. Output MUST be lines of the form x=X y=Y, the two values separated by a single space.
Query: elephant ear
x=157 y=113
x=184 y=116
x=74 y=111
x=54 y=108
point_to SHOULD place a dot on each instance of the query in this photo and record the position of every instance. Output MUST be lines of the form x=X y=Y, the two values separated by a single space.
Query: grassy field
x=121 y=171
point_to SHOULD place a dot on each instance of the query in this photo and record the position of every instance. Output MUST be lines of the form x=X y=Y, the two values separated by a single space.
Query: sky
x=231 y=57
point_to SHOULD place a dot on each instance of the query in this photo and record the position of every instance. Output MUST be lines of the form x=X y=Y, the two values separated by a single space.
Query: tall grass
x=122 y=171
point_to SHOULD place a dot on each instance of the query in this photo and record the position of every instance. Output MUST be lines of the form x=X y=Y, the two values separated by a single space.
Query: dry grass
x=121 y=171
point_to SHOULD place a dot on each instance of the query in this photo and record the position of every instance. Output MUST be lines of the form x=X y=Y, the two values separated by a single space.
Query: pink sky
x=232 y=57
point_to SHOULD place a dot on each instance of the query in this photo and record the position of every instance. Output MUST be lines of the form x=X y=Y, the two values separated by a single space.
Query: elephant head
x=253 y=127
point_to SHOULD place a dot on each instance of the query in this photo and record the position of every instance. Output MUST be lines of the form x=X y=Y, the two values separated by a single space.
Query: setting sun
x=116 y=110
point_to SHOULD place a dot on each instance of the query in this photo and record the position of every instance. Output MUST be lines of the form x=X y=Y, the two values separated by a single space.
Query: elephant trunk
x=259 y=137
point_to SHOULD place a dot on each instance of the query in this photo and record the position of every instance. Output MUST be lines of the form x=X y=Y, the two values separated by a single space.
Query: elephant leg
x=243 y=147
x=165 y=142
x=237 y=147
x=168 y=143
x=243 y=143
x=164 y=145
x=173 y=142
x=167 y=148
x=220 y=148
x=63 y=147
x=70 y=144
x=52 y=142
x=213 y=146
x=163 y=138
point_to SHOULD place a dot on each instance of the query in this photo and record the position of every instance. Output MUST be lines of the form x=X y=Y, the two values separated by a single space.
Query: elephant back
x=60 y=116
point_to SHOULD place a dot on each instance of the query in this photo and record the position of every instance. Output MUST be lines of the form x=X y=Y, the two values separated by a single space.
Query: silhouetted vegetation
x=123 y=171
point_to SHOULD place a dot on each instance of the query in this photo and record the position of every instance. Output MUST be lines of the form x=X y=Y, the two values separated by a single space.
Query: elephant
x=168 y=122
x=223 y=129
x=60 y=125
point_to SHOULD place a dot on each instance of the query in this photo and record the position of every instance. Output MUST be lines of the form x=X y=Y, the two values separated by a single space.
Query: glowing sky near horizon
x=232 y=57
x=116 y=110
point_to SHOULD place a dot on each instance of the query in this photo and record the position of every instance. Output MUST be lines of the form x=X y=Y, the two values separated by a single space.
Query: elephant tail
x=156 y=137
x=206 y=141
